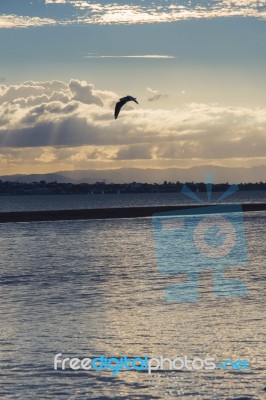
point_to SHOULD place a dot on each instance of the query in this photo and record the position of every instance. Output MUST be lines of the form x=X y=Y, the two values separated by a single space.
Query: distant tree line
x=43 y=188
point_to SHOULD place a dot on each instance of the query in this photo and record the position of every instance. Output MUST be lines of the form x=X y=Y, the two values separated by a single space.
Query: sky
x=197 y=68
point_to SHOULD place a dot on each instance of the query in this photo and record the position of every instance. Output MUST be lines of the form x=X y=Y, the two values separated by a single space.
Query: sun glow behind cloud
x=186 y=115
x=71 y=125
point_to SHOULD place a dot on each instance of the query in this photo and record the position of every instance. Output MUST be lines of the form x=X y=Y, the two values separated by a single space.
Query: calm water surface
x=90 y=288
x=70 y=202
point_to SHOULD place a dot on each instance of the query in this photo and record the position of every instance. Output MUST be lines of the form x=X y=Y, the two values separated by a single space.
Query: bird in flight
x=123 y=101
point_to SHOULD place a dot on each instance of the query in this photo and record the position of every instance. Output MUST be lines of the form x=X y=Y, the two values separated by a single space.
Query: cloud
x=146 y=56
x=83 y=92
x=48 y=156
x=30 y=89
x=135 y=152
x=71 y=125
x=158 y=12
x=144 y=12
x=17 y=21
x=55 y=1
x=156 y=95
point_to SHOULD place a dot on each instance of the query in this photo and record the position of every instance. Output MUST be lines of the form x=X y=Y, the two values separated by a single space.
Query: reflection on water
x=87 y=288
x=70 y=202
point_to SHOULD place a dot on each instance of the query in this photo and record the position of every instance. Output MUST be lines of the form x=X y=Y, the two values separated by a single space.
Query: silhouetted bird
x=121 y=102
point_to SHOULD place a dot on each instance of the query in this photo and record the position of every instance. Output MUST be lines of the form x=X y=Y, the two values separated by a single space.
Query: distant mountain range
x=127 y=175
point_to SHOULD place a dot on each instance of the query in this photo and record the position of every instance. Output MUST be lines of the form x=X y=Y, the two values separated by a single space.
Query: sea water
x=91 y=288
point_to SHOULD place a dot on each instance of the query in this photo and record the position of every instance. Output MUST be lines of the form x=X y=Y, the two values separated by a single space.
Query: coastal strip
x=108 y=213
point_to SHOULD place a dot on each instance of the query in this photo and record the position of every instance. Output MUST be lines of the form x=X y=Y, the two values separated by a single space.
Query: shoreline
x=109 y=213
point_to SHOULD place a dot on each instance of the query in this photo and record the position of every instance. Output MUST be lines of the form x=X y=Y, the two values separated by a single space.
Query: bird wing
x=131 y=98
x=121 y=102
x=118 y=107
x=124 y=100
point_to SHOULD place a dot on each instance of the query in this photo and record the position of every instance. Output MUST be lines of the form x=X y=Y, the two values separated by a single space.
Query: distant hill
x=36 y=178
x=126 y=175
